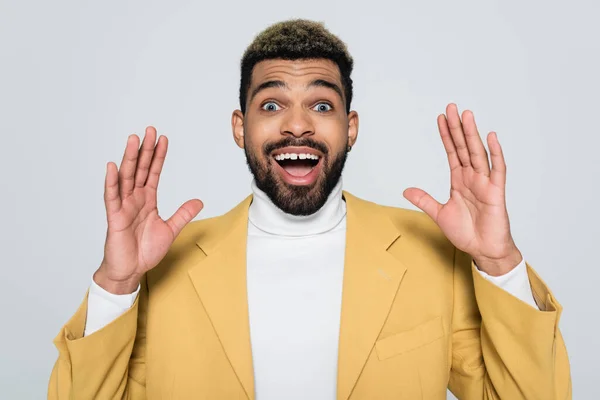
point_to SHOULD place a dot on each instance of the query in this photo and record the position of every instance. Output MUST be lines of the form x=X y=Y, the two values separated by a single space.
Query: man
x=304 y=291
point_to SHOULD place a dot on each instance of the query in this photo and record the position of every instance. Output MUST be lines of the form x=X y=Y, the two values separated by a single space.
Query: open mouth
x=297 y=164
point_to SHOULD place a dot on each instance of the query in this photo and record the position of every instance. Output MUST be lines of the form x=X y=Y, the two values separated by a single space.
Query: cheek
x=334 y=133
x=260 y=130
x=256 y=134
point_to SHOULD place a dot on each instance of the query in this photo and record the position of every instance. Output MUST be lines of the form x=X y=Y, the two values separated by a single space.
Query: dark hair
x=292 y=40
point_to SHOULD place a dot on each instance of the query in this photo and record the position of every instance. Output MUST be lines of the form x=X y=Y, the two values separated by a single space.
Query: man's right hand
x=137 y=237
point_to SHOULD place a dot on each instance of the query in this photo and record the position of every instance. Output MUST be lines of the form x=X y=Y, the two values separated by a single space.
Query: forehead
x=295 y=71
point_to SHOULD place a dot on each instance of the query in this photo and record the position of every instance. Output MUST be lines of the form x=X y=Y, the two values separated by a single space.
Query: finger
x=158 y=160
x=184 y=215
x=498 y=173
x=128 y=165
x=448 y=142
x=478 y=154
x=458 y=135
x=145 y=157
x=112 y=200
x=423 y=201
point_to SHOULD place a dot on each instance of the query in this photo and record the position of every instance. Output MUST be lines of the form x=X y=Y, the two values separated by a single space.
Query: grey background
x=77 y=77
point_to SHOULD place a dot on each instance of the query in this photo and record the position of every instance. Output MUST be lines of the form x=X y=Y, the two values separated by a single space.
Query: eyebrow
x=329 y=85
x=283 y=85
x=267 y=85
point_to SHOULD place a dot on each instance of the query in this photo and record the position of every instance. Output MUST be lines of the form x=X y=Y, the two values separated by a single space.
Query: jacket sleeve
x=109 y=363
x=502 y=348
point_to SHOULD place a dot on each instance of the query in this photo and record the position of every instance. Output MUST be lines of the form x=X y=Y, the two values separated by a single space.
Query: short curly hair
x=292 y=40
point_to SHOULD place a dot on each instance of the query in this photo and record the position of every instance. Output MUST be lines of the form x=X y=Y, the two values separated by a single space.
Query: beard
x=296 y=199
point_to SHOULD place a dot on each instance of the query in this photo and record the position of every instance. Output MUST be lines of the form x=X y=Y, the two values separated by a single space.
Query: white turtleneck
x=295 y=272
x=295 y=268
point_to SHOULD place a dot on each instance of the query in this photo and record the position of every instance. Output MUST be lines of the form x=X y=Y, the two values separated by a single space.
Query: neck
x=267 y=217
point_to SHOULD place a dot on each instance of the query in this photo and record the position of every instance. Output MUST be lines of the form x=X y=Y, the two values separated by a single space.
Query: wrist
x=499 y=266
x=119 y=287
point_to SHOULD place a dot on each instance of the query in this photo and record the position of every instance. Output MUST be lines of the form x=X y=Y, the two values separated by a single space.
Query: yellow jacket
x=417 y=318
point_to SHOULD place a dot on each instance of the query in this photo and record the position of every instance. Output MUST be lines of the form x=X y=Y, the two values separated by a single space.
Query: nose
x=297 y=123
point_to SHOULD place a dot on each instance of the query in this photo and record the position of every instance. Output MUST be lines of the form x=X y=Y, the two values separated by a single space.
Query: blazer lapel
x=220 y=282
x=371 y=280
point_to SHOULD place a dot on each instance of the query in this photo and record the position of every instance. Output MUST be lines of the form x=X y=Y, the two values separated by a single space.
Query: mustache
x=268 y=148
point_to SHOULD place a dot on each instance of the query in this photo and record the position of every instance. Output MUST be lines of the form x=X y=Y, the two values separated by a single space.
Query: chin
x=299 y=199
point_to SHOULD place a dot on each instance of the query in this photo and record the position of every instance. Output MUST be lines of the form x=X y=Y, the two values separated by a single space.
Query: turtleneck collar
x=267 y=217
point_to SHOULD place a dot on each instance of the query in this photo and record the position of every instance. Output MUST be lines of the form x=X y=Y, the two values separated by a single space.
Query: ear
x=237 y=127
x=352 y=127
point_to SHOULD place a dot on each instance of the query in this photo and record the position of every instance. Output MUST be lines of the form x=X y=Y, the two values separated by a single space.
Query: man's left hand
x=474 y=219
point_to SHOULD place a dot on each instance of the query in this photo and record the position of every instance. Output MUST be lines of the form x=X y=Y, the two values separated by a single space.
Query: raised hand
x=137 y=237
x=475 y=218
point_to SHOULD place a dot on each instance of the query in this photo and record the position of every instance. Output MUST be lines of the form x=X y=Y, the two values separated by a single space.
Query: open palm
x=137 y=237
x=475 y=218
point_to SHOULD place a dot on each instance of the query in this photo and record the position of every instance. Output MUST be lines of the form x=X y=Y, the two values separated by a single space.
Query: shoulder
x=404 y=219
x=196 y=239
x=184 y=250
x=208 y=232
x=197 y=229
x=419 y=233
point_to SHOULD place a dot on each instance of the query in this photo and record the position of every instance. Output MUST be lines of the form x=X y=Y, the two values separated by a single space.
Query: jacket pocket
x=405 y=341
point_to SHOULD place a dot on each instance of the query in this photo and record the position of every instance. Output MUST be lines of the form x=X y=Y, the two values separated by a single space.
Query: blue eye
x=270 y=106
x=322 y=107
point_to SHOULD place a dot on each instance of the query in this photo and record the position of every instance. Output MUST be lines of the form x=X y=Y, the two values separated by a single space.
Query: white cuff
x=515 y=282
x=104 y=307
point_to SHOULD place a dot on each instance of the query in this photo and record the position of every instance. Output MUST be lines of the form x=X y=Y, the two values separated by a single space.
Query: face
x=296 y=131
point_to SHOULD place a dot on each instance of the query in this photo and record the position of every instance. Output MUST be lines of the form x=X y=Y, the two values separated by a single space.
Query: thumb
x=422 y=200
x=184 y=215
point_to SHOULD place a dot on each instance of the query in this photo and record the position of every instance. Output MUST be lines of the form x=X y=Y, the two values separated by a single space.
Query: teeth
x=295 y=156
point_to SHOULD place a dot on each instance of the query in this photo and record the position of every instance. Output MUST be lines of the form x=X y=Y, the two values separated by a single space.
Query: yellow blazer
x=416 y=318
